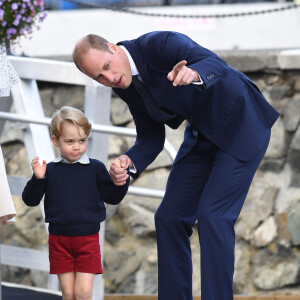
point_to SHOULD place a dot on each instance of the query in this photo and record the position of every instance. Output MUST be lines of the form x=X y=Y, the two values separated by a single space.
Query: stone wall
x=268 y=230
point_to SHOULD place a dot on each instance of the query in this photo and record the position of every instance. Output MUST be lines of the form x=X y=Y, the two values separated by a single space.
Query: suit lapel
x=154 y=88
x=138 y=59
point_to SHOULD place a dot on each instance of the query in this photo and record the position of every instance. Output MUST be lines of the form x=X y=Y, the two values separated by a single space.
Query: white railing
x=29 y=111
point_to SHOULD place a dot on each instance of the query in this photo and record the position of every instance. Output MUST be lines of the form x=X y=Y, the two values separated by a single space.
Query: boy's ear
x=54 y=140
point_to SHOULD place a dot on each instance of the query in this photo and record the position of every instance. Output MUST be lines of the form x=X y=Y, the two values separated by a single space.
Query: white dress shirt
x=84 y=159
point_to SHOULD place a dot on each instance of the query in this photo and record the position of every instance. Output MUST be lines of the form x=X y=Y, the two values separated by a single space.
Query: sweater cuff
x=36 y=180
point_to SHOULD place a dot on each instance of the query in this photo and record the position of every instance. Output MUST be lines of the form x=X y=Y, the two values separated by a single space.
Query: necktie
x=157 y=113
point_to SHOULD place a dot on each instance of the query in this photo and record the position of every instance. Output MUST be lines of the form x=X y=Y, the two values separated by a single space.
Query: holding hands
x=182 y=75
x=118 y=169
x=38 y=170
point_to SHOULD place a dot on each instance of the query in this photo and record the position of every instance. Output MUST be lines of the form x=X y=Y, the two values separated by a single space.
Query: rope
x=217 y=16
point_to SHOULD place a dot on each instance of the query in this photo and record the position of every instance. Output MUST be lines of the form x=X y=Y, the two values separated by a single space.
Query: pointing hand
x=182 y=75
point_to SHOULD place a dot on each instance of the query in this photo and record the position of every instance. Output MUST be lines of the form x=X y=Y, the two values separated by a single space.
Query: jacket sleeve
x=111 y=193
x=34 y=191
x=175 y=47
x=150 y=134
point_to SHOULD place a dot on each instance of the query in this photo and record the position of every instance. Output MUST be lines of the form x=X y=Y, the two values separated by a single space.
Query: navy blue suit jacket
x=228 y=109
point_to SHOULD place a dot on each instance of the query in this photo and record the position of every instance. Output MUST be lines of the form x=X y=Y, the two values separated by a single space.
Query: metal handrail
x=106 y=129
x=131 y=132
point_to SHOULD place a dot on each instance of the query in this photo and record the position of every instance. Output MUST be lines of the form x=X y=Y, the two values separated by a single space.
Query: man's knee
x=162 y=218
x=212 y=218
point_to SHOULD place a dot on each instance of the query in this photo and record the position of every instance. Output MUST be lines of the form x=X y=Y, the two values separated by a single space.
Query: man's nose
x=109 y=77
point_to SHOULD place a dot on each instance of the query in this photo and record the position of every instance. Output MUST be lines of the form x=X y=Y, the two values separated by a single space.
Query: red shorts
x=75 y=253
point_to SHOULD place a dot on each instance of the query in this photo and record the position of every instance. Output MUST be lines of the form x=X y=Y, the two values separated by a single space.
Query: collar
x=134 y=70
x=82 y=160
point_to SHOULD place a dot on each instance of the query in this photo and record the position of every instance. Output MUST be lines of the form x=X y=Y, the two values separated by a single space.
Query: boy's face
x=72 y=142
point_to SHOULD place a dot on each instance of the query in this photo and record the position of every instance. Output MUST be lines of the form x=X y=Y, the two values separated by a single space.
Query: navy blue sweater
x=74 y=196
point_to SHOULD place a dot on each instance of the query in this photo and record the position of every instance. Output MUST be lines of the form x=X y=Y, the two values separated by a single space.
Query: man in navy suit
x=165 y=78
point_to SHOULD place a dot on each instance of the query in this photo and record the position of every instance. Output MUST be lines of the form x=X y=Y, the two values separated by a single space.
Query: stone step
x=154 y=297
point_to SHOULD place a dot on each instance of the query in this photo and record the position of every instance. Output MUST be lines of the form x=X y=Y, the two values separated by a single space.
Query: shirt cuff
x=200 y=82
x=133 y=169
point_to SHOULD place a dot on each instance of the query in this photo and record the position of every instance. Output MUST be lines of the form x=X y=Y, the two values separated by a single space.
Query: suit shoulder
x=161 y=35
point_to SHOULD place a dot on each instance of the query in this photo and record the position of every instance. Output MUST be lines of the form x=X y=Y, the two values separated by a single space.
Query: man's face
x=110 y=69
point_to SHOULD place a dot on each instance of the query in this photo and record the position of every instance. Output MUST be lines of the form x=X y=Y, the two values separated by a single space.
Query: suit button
x=195 y=132
x=210 y=76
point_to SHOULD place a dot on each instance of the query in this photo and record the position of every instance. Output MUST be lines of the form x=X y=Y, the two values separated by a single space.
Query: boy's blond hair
x=69 y=114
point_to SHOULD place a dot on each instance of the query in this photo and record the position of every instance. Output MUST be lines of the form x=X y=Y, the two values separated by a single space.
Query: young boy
x=75 y=189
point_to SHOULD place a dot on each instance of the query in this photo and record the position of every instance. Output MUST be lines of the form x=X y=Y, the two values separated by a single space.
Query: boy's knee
x=68 y=295
x=83 y=293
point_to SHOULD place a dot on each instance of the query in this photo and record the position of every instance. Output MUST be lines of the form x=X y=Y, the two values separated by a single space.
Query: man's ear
x=54 y=140
x=112 y=47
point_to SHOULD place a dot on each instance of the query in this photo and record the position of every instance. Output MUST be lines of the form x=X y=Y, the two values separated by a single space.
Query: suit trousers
x=208 y=187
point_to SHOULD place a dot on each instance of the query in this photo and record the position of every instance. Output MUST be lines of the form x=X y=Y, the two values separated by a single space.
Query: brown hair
x=69 y=114
x=89 y=41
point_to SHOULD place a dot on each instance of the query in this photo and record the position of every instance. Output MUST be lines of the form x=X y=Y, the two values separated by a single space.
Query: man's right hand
x=118 y=169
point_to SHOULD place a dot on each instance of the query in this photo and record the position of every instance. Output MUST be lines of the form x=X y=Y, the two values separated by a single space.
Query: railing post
x=97 y=110
x=36 y=137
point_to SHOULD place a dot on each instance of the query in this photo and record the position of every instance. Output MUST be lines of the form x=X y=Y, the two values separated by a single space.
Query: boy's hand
x=38 y=170
x=182 y=75
x=118 y=170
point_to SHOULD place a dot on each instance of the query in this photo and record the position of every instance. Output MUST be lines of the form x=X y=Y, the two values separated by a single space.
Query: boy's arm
x=34 y=191
x=35 y=188
x=111 y=193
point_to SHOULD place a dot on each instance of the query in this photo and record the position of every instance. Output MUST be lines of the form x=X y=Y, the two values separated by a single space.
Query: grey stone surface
x=138 y=219
x=119 y=266
x=250 y=61
x=293 y=222
x=265 y=233
x=273 y=165
x=283 y=235
x=242 y=267
x=155 y=179
x=277 y=147
x=121 y=114
x=289 y=59
x=257 y=208
x=294 y=159
x=279 y=92
x=275 y=269
x=296 y=140
x=291 y=115
x=297 y=84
